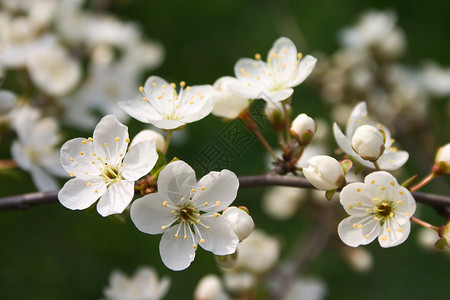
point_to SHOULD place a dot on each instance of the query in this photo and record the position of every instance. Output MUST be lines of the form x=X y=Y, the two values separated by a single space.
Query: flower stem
x=298 y=156
x=253 y=126
x=167 y=143
x=424 y=224
x=377 y=166
x=286 y=122
x=424 y=182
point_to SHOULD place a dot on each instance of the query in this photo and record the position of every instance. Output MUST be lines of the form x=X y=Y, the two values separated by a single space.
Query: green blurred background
x=50 y=252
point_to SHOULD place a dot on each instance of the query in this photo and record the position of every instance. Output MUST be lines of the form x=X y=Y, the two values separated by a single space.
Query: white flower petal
x=166 y=124
x=77 y=156
x=356 y=198
x=383 y=184
x=116 y=198
x=393 y=234
x=20 y=156
x=139 y=160
x=177 y=253
x=110 y=139
x=78 y=194
x=219 y=189
x=149 y=214
x=220 y=238
x=393 y=160
x=352 y=235
x=42 y=180
x=358 y=117
x=304 y=69
x=176 y=181
x=141 y=110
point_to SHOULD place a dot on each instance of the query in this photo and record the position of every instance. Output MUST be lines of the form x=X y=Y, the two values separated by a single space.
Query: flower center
x=384 y=210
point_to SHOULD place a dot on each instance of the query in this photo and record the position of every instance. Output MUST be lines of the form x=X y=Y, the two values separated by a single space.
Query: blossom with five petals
x=272 y=80
x=163 y=107
x=391 y=159
x=186 y=212
x=378 y=207
x=103 y=169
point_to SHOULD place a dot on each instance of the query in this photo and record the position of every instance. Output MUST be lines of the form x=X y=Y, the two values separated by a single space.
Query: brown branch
x=22 y=202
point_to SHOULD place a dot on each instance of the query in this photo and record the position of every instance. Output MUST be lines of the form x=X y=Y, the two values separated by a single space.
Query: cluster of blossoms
x=163 y=196
x=368 y=66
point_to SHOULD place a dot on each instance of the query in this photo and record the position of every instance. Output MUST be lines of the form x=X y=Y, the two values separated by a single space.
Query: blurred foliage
x=50 y=252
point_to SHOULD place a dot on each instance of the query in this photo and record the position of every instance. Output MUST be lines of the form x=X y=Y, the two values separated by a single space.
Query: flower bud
x=151 y=135
x=303 y=129
x=324 y=172
x=240 y=220
x=226 y=103
x=444 y=233
x=368 y=142
x=442 y=161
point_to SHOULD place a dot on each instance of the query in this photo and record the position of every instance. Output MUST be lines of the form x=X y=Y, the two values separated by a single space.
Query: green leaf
x=346 y=164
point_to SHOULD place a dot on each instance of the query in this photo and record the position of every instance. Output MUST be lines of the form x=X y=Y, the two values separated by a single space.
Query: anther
x=202 y=241
x=216 y=215
x=257 y=56
x=84 y=142
x=141 y=89
x=117 y=139
x=173 y=85
x=163 y=227
x=193 y=190
x=218 y=203
x=165 y=203
x=90 y=139
x=182 y=83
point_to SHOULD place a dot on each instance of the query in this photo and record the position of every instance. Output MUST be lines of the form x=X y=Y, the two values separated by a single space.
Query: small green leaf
x=329 y=194
x=346 y=164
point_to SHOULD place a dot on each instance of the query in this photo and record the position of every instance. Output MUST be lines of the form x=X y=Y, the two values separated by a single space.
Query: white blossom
x=51 y=68
x=391 y=159
x=379 y=207
x=282 y=202
x=36 y=150
x=306 y=288
x=143 y=285
x=258 y=253
x=104 y=169
x=186 y=212
x=272 y=80
x=324 y=172
x=226 y=103
x=376 y=30
x=163 y=107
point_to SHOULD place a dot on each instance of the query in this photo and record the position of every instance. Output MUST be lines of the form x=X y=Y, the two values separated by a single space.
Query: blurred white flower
x=272 y=80
x=436 y=79
x=186 y=212
x=282 y=202
x=239 y=281
x=360 y=259
x=51 y=68
x=379 y=207
x=7 y=101
x=391 y=159
x=226 y=103
x=104 y=169
x=258 y=253
x=306 y=289
x=36 y=150
x=163 y=107
x=376 y=30
x=210 y=288
x=143 y=285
